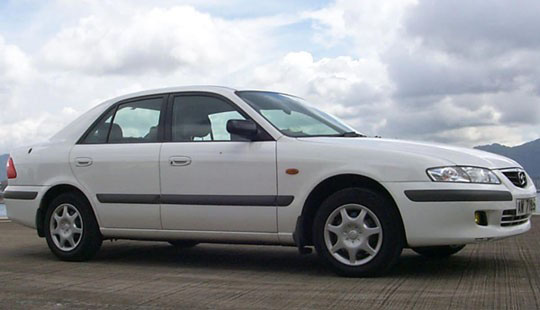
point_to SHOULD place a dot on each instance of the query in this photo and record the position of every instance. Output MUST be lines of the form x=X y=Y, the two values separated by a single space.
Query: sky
x=459 y=72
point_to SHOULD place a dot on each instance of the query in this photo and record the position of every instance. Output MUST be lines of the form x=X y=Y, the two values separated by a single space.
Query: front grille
x=514 y=177
x=509 y=218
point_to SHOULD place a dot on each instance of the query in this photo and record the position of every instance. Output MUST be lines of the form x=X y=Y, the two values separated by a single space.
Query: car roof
x=208 y=88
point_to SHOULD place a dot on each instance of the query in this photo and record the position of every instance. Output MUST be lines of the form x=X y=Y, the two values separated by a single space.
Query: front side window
x=202 y=118
x=293 y=116
x=133 y=122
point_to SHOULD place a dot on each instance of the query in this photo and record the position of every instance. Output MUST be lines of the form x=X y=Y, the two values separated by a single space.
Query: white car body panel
x=252 y=169
x=21 y=211
x=219 y=168
x=125 y=169
x=449 y=223
x=199 y=235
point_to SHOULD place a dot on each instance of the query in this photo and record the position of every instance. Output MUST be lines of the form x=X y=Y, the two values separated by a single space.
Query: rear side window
x=100 y=131
x=132 y=122
x=136 y=122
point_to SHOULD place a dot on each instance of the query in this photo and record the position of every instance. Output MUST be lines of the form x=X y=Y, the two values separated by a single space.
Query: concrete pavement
x=129 y=274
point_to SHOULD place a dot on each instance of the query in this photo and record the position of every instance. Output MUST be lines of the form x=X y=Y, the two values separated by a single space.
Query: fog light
x=480 y=218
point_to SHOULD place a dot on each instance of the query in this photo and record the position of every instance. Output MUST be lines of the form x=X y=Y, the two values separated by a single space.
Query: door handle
x=83 y=161
x=179 y=161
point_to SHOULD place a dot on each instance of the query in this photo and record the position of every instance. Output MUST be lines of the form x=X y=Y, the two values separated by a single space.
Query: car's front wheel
x=358 y=232
x=442 y=251
x=71 y=229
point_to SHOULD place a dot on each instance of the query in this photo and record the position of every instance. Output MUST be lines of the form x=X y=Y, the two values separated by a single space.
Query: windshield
x=293 y=116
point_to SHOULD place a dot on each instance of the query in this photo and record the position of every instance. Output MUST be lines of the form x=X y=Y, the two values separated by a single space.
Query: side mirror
x=243 y=128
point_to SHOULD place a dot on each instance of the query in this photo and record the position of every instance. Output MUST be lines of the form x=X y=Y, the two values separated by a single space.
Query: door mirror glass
x=244 y=128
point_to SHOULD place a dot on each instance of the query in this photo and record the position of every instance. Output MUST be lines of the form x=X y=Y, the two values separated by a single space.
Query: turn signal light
x=292 y=171
x=480 y=218
x=10 y=168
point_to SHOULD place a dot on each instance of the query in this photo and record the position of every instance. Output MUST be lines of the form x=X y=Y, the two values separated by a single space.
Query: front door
x=210 y=180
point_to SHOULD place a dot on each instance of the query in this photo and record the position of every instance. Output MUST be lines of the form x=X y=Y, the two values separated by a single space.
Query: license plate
x=525 y=206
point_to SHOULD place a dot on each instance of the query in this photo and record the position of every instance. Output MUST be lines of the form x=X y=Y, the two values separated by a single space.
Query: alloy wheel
x=66 y=227
x=353 y=234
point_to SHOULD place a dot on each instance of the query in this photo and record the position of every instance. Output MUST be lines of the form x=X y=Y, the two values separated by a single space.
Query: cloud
x=342 y=80
x=14 y=64
x=458 y=71
x=155 y=41
x=422 y=71
x=34 y=129
x=476 y=28
x=463 y=72
x=115 y=49
x=481 y=58
x=344 y=86
x=371 y=25
x=15 y=69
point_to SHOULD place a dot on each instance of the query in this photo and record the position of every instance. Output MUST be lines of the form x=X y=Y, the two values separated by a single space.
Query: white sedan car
x=213 y=164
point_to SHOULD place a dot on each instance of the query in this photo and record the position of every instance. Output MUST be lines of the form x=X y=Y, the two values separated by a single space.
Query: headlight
x=463 y=174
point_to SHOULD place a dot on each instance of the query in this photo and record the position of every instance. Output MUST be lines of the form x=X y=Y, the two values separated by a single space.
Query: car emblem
x=522 y=178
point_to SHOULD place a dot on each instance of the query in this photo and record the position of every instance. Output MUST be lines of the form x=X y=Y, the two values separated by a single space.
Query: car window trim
x=161 y=123
x=264 y=135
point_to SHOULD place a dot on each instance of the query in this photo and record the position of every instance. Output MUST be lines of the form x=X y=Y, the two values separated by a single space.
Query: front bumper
x=443 y=213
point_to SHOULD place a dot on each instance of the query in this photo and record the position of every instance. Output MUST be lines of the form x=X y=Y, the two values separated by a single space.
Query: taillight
x=10 y=168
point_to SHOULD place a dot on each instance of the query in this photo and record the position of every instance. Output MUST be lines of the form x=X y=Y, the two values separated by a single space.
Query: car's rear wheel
x=183 y=243
x=439 y=251
x=358 y=232
x=71 y=230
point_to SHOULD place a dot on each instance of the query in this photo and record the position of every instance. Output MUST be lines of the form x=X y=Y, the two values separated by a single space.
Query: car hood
x=452 y=154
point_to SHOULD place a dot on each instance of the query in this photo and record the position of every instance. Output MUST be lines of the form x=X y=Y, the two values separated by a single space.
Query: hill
x=3 y=161
x=528 y=155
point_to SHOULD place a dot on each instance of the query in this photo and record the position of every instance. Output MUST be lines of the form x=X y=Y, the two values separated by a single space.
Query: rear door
x=117 y=162
x=210 y=180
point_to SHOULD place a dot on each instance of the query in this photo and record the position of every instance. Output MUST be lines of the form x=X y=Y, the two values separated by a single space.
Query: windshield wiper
x=352 y=134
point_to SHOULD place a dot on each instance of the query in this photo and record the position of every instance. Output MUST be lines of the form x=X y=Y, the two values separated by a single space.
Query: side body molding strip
x=449 y=195
x=128 y=198
x=215 y=200
x=22 y=195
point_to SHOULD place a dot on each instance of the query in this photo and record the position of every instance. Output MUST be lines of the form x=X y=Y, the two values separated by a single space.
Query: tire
x=183 y=243
x=80 y=223
x=443 y=251
x=378 y=211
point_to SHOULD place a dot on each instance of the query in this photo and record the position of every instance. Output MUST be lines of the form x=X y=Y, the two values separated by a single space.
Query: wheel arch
x=303 y=231
x=51 y=193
